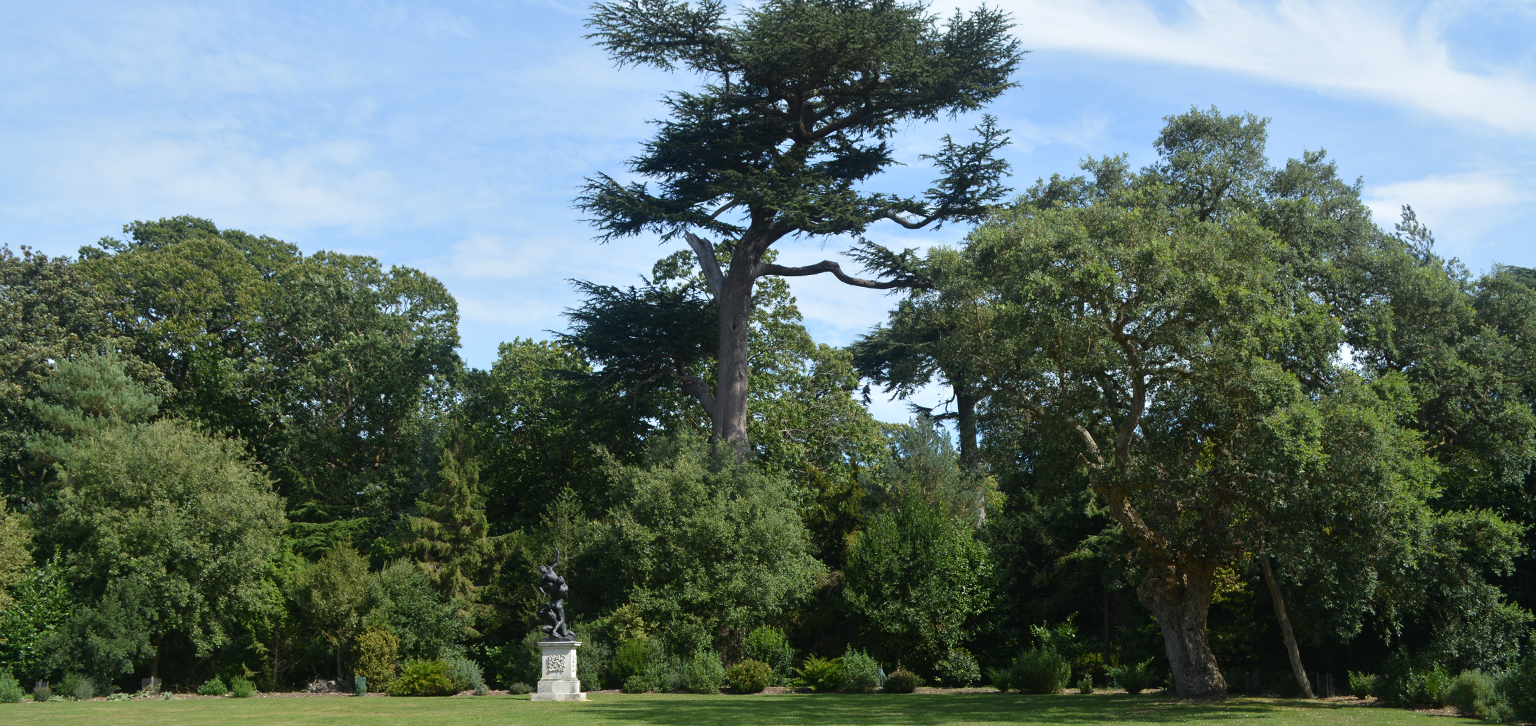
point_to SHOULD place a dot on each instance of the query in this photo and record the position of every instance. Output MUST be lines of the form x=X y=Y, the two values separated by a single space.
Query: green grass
x=680 y=710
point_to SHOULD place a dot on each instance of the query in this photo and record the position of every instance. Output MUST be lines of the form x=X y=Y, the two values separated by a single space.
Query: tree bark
x=965 y=421
x=1285 y=628
x=1181 y=599
x=154 y=665
x=733 y=370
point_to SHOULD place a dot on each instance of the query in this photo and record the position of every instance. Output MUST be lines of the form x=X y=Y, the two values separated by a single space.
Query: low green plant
x=42 y=693
x=861 y=674
x=1477 y=695
x=1039 y=670
x=636 y=684
x=520 y=688
x=959 y=669
x=703 y=673
x=770 y=646
x=10 y=690
x=1133 y=678
x=999 y=679
x=902 y=681
x=241 y=687
x=630 y=659
x=1085 y=685
x=822 y=675
x=212 y=687
x=423 y=678
x=1410 y=680
x=1518 y=687
x=464 y=673
x=749 y=676
x=1361 y=684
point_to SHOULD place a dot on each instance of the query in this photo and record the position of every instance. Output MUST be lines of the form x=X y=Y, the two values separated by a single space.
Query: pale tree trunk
x=732 y=374
x=1181 y=600
x=1285 y=628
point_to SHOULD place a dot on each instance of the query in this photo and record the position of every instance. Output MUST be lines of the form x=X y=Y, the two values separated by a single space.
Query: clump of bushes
x=423 y=678
x=241 y=687
x=378 y=650
x=749 y=676
x=520 y=688
x=631 y=660
x=703 y=673
x=77 y=687
x=1361 y=684
x=465 y=674
x=822 y=675
x=636 y=684
x=1085 y=685
x=213 y=687
x=1037 y=670
x=902 y=681
x=861 y=674
x=1412 y=680
x=770 y=646
x=10 y=690
x=1133 y=678
x=1478 y=695
x=41 y=692
x=958 y=669
x=1518 y=687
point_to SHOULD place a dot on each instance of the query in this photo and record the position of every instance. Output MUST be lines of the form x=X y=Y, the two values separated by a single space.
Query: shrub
x=465 y=674
x=10 y=690
x=77 y=687
x=41 y=693
x=821 y=675
x=861 y=674
x=1412 y=680
x=213 y=687
x=1361 y=684
x=1477 y=695
x=422 y=678
x=594 y=664
x=630 y=659
x=959 y=669
x=703 y=673
x=999 y=679
x=1518 y=687
x=637 y=684
x=241 y=687
x=770 y=646
x=1133 y=678
x=1085 y=685
x=749 y=676
x=378 y=650
x=1040 y=670
x=902 y=681
x=520 y=688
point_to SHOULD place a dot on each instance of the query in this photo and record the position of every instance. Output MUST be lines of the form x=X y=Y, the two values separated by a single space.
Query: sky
x=452 y=136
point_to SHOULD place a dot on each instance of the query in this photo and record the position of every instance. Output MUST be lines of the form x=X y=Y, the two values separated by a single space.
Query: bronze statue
x=554 y=588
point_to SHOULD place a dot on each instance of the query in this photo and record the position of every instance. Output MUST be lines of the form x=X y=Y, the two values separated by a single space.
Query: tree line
x=1207 y=415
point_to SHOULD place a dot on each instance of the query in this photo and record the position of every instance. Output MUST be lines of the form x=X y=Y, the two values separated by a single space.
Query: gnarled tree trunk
x=1180 y=597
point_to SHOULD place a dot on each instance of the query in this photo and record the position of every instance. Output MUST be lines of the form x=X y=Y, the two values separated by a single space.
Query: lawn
x=681 y=710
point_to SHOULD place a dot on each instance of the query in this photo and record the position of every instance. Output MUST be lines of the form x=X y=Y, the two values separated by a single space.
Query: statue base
x=559 y=682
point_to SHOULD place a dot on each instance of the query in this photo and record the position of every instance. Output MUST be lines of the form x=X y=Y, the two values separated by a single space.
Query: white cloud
x=1457 y=207
x=1350 y=47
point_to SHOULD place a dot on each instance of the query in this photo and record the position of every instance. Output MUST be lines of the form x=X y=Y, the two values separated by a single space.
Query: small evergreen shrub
x=1477 y=695
x=630 y=659
x=749 y=676
x=1518 y=688
x=902 y=681
x=1040 y=670
x=84 y=690
x=465 y=674
x=959 y=669
x=861 y=674
x=770 y=646
x=1412 y=680
x=703 y=673
x=999 y=679
x=241 y=687
x=1133 y=678
x=41 y=693
x=520 y=688
x=1085 y=685
x=1361 y=684
x=422 y=678
x=10 y=690
x=637 y=684
x=213 y=687
x=378 y=653
x=821 y=675
x=594 y=665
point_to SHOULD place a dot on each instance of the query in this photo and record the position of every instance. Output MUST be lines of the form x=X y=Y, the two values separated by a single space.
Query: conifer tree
x=450 y=539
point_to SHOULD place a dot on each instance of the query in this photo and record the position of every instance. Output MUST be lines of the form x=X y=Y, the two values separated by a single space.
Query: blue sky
x=452 y=136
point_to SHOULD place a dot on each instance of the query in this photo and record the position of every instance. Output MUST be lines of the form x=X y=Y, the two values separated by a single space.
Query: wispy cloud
x=1457 y=207
x=1349 y=47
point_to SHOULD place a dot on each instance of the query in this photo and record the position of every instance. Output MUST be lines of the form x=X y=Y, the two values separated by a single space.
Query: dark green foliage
x=520 y=688
x=917 y=576
x=1039 y=670
x=213 y=687
x=41 y=605
x=423 y=678
x=703 y=673
x=464 y=673
x=902 y=681
x=1518 y=686
x=959 y=669
x=449 y=540
x=630 y=660
x=749 y=676
x=860 y=672
x=1134 y=677
x=1085 y=685
x=769 y=645
x=1477 y=696
x=1362 y=685
x=400 y=597
x=10 y=690
x=1411 y=680
x=241 y=687
x=636 y=684
x=821 y=675
x=593 y=667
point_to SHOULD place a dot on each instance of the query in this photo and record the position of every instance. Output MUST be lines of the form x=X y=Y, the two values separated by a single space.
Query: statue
x=553 y=586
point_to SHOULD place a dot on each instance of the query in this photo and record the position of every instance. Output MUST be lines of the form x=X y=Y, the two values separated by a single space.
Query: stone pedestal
x=559 y=682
